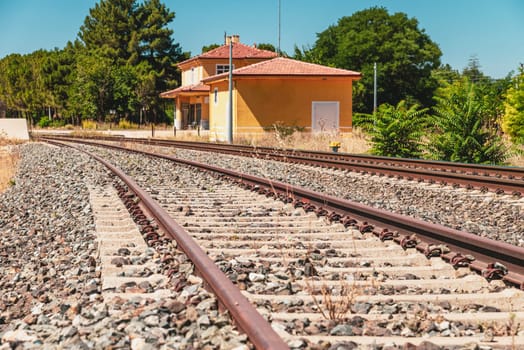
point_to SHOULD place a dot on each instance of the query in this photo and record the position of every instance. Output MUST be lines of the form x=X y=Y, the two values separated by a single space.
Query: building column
x=178 y=114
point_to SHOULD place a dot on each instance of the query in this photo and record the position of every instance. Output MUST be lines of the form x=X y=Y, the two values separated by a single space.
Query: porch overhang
x=190 y=90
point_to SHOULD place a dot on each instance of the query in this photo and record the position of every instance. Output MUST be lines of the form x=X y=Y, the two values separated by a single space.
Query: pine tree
x=109 y=28
x=136 y=39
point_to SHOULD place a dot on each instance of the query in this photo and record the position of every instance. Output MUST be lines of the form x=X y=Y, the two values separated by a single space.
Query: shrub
x=513 y=120
x=125 y=124
x=88 y=124
x=396 y=131
x=44 y=122
x=284 y=131
x=461 y=133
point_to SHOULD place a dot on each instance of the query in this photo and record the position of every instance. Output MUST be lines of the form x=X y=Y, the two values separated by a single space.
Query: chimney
x=227 y=40
x=235 y=38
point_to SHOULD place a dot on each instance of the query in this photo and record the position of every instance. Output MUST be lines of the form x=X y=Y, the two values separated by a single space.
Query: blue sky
x=490 y=30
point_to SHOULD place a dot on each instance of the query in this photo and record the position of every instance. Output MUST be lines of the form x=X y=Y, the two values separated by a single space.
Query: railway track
x=499 y=179
x=324 y=274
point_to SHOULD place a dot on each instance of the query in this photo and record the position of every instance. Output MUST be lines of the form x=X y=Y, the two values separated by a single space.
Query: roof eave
x=215 y=79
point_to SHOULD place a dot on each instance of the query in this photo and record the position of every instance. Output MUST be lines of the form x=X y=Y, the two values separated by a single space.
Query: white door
x=325 y=116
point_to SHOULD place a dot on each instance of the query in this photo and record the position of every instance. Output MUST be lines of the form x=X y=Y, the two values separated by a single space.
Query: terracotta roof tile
x=240 y=51
x=282 y=66
x=288 y=66
x=189 y=88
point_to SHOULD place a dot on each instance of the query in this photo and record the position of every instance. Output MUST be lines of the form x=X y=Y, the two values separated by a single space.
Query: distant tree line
x=124 y=56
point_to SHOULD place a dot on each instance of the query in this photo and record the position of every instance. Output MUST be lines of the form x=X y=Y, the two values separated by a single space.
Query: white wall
x=14 y=129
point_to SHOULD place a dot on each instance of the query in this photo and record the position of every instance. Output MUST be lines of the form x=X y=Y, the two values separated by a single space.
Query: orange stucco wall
x=259 y=103
x=264 y=102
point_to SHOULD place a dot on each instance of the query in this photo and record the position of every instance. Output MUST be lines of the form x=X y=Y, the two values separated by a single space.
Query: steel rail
x=466 y=168
x=487 y=252
x=248 y=319
x=466 y=175
x=483 y=177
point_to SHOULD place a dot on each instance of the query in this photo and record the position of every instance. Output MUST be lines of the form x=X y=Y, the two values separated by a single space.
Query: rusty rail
x=484 y=177
x=429 y=237
x=248 y=319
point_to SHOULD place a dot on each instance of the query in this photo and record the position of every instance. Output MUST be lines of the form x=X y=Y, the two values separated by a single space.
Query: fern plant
x=397 y=131
x=460 y=132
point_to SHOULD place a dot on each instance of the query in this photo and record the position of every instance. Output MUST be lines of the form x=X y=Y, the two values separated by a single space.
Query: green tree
x=59 y=70
x=405 y=56
x=209 y=47
x=397 y=131
x=136 y=40
x=460 y=128
x=92 y=90
x=125 y=99
x=158 y=50
x=491 y=91
x=22 y=86
x=307 y=54
x=445 y=75
x=266 y=46
x=513 y=121
x=14 y=72
x=109 y=29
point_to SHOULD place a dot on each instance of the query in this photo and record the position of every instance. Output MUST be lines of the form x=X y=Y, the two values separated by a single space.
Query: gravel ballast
x=50 y=286
x=499 y=217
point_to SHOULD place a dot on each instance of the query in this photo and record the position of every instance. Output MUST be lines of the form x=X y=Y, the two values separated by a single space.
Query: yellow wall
x=263 y=102
x=192 y=76
x=218 y=111
x=259 y=103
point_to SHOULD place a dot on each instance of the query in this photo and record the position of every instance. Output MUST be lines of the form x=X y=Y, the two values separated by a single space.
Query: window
x=216 y=96
x=223 y=68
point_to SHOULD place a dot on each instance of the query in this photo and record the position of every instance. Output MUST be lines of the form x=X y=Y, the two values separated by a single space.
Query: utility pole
x=279 y=21
x=374 y=87
x=229 y=121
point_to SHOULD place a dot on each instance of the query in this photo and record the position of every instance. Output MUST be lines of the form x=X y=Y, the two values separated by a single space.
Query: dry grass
x=517 y=156
x=336 y=301
x=516 y=160
x=354 y=142
x=9 y=157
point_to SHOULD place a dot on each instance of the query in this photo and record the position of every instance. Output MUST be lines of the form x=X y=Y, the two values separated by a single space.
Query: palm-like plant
x=397 y=131
x=460 y=133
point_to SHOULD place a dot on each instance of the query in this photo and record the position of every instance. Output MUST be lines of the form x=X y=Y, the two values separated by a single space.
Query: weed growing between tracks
x=336 y=300
x=513 y=329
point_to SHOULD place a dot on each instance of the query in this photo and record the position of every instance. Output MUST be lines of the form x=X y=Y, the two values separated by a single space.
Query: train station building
x=266 y=90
